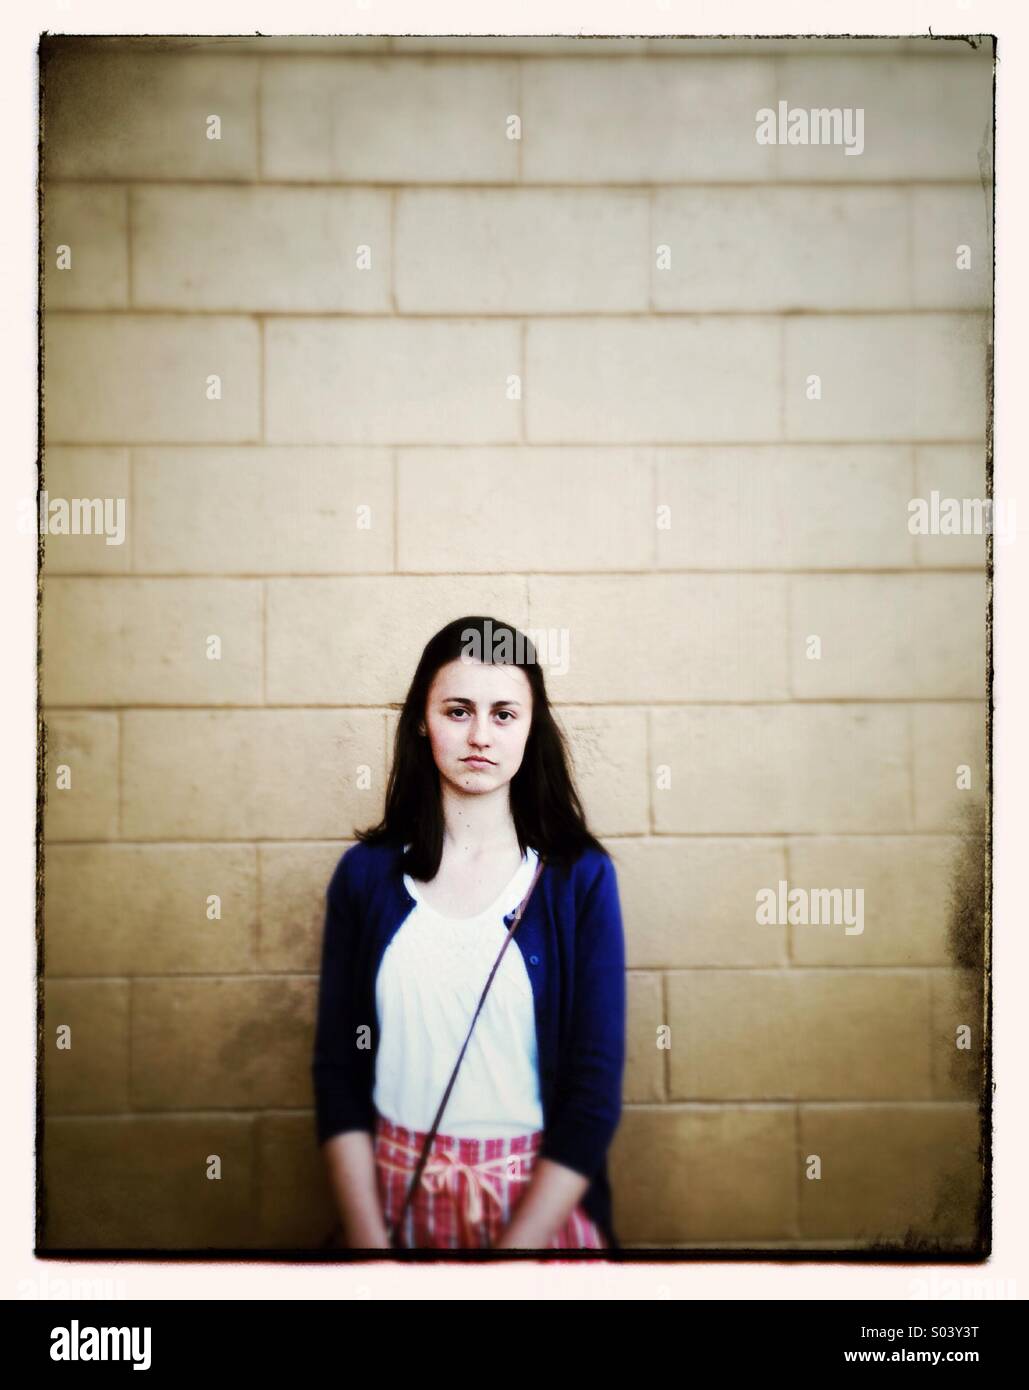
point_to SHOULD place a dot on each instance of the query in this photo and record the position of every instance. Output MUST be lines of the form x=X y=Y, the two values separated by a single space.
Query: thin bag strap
x=427 y=1145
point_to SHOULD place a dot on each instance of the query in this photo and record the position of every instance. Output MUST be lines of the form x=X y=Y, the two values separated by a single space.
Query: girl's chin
x=470 y=780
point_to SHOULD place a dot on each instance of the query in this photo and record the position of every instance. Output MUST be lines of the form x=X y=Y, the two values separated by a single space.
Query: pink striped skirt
x=468 y=1191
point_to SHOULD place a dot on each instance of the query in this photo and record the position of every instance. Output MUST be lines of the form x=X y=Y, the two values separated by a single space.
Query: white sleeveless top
x=428 y=987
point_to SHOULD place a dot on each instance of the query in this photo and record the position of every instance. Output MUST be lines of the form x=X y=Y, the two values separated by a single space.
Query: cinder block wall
x=563 y=379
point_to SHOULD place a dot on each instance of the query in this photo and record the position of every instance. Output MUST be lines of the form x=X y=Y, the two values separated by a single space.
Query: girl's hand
x=547 y=1203
x=375 y=1239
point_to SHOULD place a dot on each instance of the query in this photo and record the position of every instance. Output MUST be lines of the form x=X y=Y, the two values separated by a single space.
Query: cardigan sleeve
x=342 y=1066
x=587 y=1101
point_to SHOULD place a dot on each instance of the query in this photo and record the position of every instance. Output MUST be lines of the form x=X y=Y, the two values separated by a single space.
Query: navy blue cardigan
x=571 y=938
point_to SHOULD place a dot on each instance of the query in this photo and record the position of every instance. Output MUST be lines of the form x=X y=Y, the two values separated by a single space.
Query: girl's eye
x=507 y=713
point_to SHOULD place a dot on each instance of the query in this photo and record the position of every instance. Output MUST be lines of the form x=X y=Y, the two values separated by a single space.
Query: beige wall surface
x=540 y=329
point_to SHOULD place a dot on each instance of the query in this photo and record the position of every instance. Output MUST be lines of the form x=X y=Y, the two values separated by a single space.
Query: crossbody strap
x=516 y=917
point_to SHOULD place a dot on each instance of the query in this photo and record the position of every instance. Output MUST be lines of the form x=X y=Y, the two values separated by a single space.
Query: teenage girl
x=417 y=911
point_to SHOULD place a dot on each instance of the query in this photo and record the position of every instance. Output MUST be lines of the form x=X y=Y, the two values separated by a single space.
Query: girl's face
x=477 y=717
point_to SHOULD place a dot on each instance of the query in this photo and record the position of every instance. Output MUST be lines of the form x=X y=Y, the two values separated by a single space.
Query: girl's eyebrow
x=464 y=700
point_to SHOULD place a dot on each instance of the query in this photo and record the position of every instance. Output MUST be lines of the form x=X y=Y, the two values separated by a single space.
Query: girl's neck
x=478 y=825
